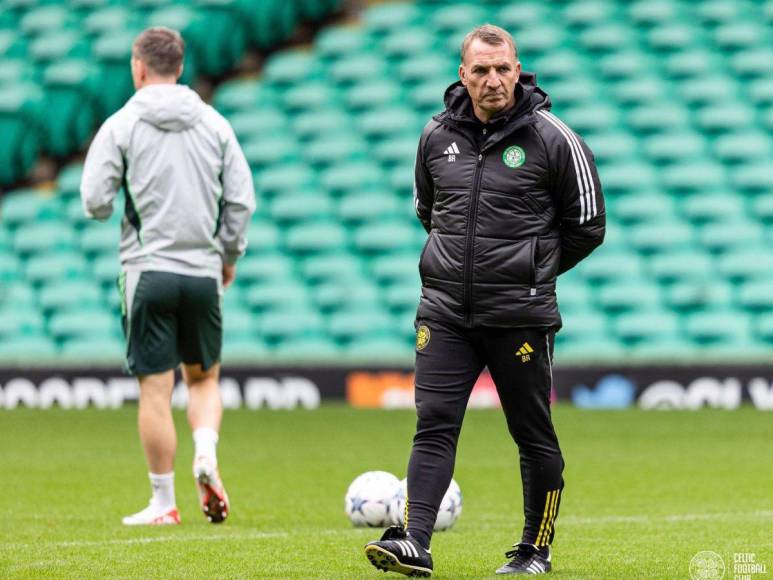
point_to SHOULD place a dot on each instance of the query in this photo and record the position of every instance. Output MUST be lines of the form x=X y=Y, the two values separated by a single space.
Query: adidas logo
x=524 y=352
x=452 y=152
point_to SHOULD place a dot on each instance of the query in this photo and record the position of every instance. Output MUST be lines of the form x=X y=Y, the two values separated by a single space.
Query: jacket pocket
x=533 y=265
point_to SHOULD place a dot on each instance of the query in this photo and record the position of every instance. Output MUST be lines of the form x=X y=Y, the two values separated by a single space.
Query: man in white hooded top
x=188 y=201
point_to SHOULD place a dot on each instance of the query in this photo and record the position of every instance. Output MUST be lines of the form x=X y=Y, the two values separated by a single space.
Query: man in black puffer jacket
x=511 y=199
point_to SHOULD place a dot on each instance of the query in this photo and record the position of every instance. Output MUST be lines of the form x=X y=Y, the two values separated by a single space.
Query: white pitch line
x=666 y=518
x=130 y=541
x=646 y=519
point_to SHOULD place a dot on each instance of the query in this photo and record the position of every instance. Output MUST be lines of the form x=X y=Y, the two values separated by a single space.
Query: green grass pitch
x=645 y=491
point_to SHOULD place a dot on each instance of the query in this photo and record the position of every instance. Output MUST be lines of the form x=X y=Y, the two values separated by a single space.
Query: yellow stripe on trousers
x=405 y=513
x=548 y=501
x=551 y=519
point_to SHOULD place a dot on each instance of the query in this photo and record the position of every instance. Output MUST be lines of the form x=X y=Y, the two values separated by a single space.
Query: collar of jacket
x=528 y=99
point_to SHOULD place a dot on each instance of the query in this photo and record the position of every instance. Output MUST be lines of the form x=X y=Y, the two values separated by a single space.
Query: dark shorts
x=170 y=318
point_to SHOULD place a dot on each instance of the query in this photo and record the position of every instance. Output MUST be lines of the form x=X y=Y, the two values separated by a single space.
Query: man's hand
x=229 y=274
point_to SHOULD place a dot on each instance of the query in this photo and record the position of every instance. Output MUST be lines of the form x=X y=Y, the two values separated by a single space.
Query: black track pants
x=448 y=362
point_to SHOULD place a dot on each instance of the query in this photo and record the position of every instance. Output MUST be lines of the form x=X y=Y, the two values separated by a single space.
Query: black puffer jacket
x=508 y=205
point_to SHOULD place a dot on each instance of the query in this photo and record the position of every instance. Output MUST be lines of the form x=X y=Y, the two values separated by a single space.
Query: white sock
x=205 y=439
x=162 y=485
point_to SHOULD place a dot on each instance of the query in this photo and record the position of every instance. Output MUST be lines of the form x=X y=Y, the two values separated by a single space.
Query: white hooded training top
x=189 y=190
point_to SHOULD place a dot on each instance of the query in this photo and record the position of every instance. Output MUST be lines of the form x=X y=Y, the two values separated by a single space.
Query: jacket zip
x=468 y=250
x=533 y=266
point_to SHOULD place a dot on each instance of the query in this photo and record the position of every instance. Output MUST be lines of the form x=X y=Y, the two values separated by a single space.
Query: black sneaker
x=527 y=559
x=398 y=552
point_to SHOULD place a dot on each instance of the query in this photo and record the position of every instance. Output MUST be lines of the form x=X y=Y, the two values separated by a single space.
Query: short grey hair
x=490 y=34
x=161 y=49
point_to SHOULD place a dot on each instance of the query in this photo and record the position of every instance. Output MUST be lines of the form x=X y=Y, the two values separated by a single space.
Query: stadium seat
x=43 y=237
x=673 y=36
x=717 y=207
x=72 y=295
x=387 y=348
x=697 y=295
x=609 y=264
x=287 y=325
x=628 y=295
x=399 y=267
x=262 y=236
x=727 y=235
x=649 y=326
x=339 y=294
x=315 y=237
x=28 y=206
x=744 y=263
x=753 y=64
x=256 y=268
x=17 y=322
x=27 y=349
x=644 y=207
x=300 y=206
x=307 y=349
x=270 y=295
x=93 y=350
x=353 y=324
x=92 y=325
x=332 y=266
x=718 y=326
x=681 y=266
x=334 y=42
x=742 y=146
x=367 y=205
x=352 y=177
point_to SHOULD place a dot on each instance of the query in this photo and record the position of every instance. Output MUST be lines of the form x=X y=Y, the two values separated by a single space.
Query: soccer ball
x=370 y=498
x=449 y=511
x=398 y=503
x=450 y=508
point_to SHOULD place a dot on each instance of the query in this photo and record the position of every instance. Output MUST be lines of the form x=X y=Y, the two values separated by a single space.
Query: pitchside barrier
x=598 y=387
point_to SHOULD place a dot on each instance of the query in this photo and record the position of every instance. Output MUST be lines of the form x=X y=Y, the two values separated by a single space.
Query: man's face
x=490 y=73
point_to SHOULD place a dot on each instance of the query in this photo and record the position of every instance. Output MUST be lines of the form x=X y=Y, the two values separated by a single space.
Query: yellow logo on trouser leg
x=524 y=352
x=422 y=337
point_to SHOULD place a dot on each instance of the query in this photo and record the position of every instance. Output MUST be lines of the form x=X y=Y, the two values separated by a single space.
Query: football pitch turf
x=645 y=491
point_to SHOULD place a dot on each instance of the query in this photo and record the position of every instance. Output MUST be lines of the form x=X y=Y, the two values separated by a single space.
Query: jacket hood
x=168 y=107
x=529 y=98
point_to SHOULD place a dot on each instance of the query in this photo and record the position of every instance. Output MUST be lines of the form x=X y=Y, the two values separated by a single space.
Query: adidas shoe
x=527 y=559
x=152 y=516
x=398 y=552
x=212 y=495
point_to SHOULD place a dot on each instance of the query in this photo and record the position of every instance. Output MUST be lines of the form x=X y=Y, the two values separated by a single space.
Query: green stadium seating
x=54 y=267
x=308 y=348
x=315 y=237
x=92 y=325
x=336 y=295
x=300 y=206
x=331 y=266
x=628 y=295
x=45 y=237
x=648 y=326
x=330 y=130
x=704 y=207
x=27 y=349
x=73 y=295
x=96 y=350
